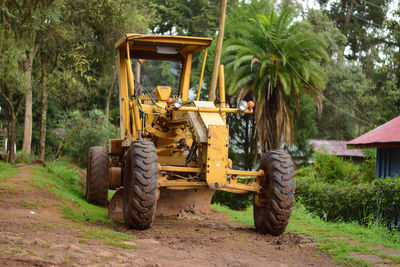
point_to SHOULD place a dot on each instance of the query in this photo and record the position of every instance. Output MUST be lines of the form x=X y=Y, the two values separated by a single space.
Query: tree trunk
x=273 y=140
x=217 y=56
x=11 y=130
x=247 y=143
x=27 y=65
x=344 y=28
x=348 y=14
x=43 y=118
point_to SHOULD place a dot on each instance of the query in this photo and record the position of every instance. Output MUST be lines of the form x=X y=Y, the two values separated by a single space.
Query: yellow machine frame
x=196 y=121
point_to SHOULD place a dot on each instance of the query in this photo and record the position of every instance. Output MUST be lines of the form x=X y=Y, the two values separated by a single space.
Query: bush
x=368 y=167
x=82 y=132
x=343 y=201
x=332 y=168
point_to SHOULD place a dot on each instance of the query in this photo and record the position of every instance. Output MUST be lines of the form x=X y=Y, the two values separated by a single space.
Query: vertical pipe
x=138 y=124
x=221 y=85
x=186 y=77
x=202 y=73
x=123 y=92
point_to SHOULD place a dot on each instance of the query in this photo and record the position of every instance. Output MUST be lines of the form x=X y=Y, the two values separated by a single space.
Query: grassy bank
x=65 y=181
x=7 y=170
x=339 y=240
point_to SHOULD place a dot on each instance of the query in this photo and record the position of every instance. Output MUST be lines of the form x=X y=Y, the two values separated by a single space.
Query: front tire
x=97 y=176
x=273 y=206
x=140 y=185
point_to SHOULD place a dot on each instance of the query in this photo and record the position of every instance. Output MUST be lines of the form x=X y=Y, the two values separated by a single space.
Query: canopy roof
x=334 y=147
x=163 y=47
x=386 y=135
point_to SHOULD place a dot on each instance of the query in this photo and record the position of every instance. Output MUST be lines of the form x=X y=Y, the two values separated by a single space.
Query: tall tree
x=276 y=58
x=12 y=86
x=360 y=22
x=26 y=18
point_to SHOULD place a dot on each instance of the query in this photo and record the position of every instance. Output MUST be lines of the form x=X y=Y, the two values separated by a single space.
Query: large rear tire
x=97 y=180
x=273 y=206
x=140 y=185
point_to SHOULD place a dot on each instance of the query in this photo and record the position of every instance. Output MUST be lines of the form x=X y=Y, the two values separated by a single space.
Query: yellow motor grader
x=171 y=144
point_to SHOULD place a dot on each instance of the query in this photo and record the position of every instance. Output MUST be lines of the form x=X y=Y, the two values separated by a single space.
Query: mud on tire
x=140 y=185
x=97 y=176
x=273 y=206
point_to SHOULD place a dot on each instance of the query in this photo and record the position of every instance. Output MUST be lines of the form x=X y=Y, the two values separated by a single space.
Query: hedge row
x=344 y=201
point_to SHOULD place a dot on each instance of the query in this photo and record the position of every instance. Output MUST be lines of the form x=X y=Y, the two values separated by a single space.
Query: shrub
x=368 y=167
x=331 y=168
x=378 y=200
x=82 y=132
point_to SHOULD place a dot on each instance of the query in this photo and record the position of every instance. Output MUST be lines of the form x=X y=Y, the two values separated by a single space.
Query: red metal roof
x=334 y=147
x=386 y=135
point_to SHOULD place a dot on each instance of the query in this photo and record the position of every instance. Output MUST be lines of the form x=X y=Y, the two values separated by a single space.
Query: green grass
x=31 y=204
x=337 y=239
x=7 y=170
x=66 y=183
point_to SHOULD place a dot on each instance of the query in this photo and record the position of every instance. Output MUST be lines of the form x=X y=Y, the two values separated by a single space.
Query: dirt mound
x=34 y=232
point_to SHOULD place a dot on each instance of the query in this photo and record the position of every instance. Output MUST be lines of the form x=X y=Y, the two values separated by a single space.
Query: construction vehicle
x=171 y=143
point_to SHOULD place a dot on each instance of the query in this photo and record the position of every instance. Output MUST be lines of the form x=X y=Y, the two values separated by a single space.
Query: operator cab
x=154 y=70
x=170 y=56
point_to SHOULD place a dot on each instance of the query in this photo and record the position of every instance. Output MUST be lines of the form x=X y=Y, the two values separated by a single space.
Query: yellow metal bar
x=178 y=169
x=201 y=74
x=221 y=86
x=129 y=70
x=252 y=187
x=124 y=98
x=245 y=173
x=233 y=187
x=217 y=154
x=183 y=184
x=212 y=110
x=186 y=77
x=131 y=82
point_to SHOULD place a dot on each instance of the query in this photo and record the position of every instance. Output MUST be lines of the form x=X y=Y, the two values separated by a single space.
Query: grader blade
x=173 y=202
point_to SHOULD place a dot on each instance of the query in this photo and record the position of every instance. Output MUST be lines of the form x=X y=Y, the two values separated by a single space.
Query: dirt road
x=33 y=232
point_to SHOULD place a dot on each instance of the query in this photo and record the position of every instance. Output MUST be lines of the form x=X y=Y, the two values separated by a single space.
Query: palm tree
x=276 y=59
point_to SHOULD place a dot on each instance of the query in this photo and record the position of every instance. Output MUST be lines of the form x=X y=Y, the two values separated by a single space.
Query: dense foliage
x=337 y=189
x=275 y=58
x=83 y=132
x=343 y=201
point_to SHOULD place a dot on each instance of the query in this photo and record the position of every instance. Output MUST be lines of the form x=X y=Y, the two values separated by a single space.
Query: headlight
x=243 y=105
x=178 y=102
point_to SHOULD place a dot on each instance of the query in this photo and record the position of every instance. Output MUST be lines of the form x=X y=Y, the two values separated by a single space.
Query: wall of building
x=387 y=162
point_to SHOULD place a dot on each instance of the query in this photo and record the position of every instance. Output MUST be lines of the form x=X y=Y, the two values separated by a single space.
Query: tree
x=26 y=18
x=12 y=86
x=275 y=58
x=359 y=21
x=188 y=17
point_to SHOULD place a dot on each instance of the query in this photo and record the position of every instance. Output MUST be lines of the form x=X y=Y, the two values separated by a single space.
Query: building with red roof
x=337 y=148
x=386 y=138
